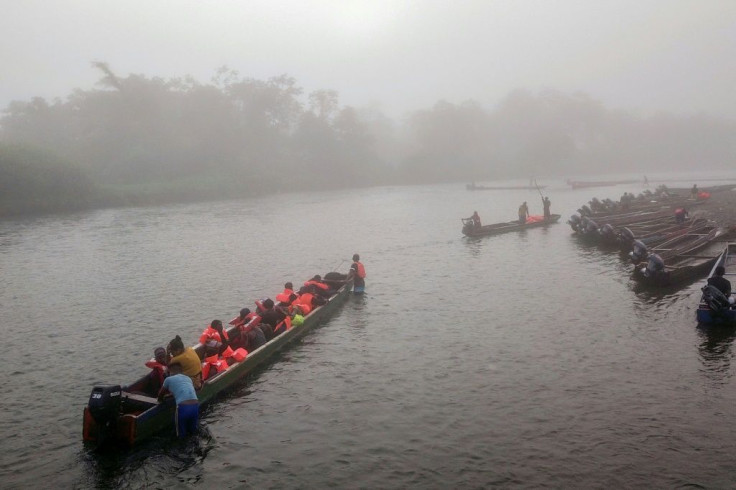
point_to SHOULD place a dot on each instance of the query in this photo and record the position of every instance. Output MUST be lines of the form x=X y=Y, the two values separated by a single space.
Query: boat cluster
x=660 y=237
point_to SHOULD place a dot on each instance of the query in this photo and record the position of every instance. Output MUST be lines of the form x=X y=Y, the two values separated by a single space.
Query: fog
x=636 y=55
x=143 y=102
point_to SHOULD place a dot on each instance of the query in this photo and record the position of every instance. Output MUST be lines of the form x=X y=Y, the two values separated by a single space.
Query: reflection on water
x=716 y=352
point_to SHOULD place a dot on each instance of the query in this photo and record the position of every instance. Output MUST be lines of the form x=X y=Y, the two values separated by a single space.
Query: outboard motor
x=715 y=299
x=104 y=406
x=590 y=226
x=607 y=230
x=655 y=266
x=585 y=210
x=626 y=235
x=574 y=222
x=639 y=252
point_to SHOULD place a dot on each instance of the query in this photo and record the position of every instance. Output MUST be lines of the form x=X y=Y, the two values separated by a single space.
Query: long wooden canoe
x=498 y=228
x=140 y=416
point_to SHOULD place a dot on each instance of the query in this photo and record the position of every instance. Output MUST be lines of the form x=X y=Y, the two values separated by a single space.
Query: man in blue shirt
x=180 y=385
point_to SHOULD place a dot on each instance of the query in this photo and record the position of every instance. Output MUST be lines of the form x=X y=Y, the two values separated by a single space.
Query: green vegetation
x=138 y=140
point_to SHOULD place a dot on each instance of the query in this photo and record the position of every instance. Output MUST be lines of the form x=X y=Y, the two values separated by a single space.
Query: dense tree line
x=136 y=139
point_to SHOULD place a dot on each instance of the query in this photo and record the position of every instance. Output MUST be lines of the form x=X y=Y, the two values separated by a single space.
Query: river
x=520 y=360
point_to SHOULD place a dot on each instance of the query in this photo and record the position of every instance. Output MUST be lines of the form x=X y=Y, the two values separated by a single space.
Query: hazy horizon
x=397 y=56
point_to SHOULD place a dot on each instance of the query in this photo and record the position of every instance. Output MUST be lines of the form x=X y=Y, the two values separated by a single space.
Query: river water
x=520 y=360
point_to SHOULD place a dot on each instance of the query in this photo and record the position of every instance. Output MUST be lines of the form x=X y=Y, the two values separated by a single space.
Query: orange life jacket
x=304 y=302
x=284 y=296
x=158 y=367
x=361 y=270
x=213 y=365
x=211 y=334
x=320 y=285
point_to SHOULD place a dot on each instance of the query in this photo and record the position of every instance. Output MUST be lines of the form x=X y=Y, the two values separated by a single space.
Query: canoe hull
x=499 y=228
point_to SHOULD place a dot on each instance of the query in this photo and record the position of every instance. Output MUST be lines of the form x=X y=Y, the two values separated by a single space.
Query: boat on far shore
x=582 y=184
x=474 y=187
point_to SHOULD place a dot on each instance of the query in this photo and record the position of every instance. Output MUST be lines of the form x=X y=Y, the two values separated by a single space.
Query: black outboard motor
x=639 y=252
x=104 y=405
x=655 y=266
x=585 y=210
x=716 y=300
x=589 y=226
x=607 y=230
x=626 y=235
x=574 y=222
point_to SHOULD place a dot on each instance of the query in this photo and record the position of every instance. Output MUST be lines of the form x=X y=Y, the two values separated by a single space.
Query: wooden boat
x=715 y=308
x=132 y=415
x=651 y=237
x=679 y=245
x=589 y=228
x=687 y=262
x=470 y=230
x=474 y=187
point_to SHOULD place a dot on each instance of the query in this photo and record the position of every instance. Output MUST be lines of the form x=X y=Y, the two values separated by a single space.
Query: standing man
x=546 y=204
x=180 y=385
x=357 y=273
x=523 y=213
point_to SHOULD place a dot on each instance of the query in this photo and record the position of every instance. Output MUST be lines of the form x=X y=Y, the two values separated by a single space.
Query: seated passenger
x=214 y=335
x=159 y=370
x=316 y=286
x=271 y=317
x=306 y=302
x=243 y=318
x=284 y=297
x=721 y=283
x=187 y=358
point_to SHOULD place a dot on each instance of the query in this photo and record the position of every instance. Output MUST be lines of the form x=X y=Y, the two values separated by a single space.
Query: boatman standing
x=546 y=204
x=186 y=418
x=357 y=274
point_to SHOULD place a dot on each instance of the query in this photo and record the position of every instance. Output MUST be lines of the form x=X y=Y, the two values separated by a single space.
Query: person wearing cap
x=186 y=418
x=159 y=370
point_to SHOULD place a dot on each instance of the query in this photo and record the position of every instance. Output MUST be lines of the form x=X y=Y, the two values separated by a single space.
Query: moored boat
x=714 y=307
x=129 y=414
x=470 y=230
x=690 y=259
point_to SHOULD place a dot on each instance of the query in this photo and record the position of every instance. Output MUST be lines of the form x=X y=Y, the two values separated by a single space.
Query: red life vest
x=361 y=270
x=213 y=365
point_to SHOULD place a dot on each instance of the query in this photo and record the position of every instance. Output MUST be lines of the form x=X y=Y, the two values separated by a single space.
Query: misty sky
x=638 y=55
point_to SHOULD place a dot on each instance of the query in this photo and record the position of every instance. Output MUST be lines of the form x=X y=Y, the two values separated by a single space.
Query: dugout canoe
x=132 y=416
x=497 y=228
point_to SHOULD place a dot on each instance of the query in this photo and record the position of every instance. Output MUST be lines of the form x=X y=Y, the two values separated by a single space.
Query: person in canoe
x=681 y=215
x=694 y=192
x=214 y=336
x=187 y=358
x=546 y=204
x=186 y=418
x=475 y=218
x=159 y=370
x=721 y=283
x=523 y=213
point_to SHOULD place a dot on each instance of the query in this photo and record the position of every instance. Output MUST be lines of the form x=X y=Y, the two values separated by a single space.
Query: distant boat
x=580 y=184
x=473 y=187
x=470 y=230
